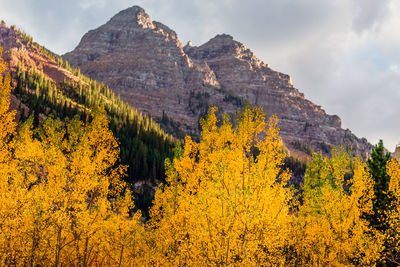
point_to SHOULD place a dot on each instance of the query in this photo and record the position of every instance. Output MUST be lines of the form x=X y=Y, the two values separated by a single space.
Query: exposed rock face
x=147 y=65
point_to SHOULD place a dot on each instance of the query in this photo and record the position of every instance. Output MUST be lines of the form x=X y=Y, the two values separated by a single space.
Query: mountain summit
x=145 y=63
x=135 y=15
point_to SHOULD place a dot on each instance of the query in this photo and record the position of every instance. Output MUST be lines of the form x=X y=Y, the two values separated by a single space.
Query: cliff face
x=147 y=65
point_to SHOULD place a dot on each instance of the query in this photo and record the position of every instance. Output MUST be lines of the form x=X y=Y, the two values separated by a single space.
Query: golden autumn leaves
x=225 y=202
x=331 y=216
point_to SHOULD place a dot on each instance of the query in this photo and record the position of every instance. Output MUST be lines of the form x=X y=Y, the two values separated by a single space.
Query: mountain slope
x=144 y=62
x=45 y=85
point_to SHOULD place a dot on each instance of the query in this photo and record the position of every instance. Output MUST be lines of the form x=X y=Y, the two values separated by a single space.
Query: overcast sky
x=342 y=54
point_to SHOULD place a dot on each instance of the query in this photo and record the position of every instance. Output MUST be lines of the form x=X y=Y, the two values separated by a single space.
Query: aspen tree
x=332 y=230
x=62 y=198
x=226 y=200
x=392 y=235
x=66 y=202
x=9 y=207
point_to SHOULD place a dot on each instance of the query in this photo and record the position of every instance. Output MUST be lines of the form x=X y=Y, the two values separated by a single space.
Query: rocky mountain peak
x=226 y=38
x=133 y=16
x=149 y=67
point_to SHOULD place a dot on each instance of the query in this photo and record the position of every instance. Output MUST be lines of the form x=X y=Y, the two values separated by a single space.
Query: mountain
x=146 y=64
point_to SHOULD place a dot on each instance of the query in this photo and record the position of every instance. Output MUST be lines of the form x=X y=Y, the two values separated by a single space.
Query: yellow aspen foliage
x=394 y=172
x=7 y=123
x=62 y=198
x=7 y=165
x=58 y=208
x=226 y=201
x=392 y=238
x=338 y=191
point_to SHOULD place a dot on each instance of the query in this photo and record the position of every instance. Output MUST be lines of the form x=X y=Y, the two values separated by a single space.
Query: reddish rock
x=16 y=49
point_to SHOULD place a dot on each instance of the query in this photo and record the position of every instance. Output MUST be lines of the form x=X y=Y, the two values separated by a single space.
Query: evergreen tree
x=377 y=168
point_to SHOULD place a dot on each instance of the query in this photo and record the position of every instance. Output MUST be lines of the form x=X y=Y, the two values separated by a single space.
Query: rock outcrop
x=145 y=63
x=16 y=48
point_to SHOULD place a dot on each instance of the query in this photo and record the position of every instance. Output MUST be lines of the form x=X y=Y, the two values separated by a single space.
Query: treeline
x=144 y=145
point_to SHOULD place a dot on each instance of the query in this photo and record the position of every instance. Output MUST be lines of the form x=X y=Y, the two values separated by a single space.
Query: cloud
x=90 y=4
x=369 y=14
x=342 y=54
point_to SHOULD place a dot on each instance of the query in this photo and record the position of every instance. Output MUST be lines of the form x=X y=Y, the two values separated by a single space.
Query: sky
x=342 y=54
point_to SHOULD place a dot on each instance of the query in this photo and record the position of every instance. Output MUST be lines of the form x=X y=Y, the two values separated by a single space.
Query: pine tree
x=377 y=168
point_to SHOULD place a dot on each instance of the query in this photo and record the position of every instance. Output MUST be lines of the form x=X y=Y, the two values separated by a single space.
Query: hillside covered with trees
x=45 y=85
